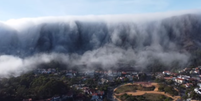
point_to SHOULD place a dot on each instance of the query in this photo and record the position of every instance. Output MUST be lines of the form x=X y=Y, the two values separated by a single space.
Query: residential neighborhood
x=185 y=79
x=98 y=85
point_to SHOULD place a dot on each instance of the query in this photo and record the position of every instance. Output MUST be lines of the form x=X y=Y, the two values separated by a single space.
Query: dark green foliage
x=169 y=82
x=159 y=80
x=145 y=97
x=133 y=88
x=168 y=89
x=142 y=76
x=194 y=95
x=28 y=86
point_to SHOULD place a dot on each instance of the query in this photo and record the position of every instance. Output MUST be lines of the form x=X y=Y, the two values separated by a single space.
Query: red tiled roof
x=174 y=74
x=123 y=72
x=179 y=79
x=85 y=88
x=166 y=71
x=189 y=84
x=101 y=92
x=168 y=78
x=49 y=99
x=94 y=94
x=30 y=99
x=191 y=79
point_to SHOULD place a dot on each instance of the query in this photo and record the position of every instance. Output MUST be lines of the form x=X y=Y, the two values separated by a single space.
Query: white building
x=197 y=90
x=180 y=80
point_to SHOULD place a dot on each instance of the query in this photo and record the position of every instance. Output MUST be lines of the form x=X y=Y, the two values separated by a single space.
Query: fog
x=104 y=41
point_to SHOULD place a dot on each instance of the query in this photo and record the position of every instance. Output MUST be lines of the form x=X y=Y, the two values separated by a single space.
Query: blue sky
x=15 y=9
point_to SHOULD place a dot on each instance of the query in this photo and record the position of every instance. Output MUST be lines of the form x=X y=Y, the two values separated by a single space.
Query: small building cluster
x=187 y=77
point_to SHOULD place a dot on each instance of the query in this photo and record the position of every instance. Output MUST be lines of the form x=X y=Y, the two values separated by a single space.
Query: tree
x=126 y=79
x=168 y=99
x=21 y=92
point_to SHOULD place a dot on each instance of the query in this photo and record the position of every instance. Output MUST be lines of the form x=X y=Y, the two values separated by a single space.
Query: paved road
x=110 y=94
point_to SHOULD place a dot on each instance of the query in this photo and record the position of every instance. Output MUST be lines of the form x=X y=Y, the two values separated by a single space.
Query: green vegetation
x=194 y=95
x=35 y=87
x=167 y=89
x=133 y=88
x=126 y=88
x=159 y=80
x=145 y=97
x=157 y=97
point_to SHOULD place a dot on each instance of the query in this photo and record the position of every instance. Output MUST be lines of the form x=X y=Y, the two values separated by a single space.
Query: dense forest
x=28 y=86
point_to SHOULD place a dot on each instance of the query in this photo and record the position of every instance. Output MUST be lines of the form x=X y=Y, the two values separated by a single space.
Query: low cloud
x=104 y=41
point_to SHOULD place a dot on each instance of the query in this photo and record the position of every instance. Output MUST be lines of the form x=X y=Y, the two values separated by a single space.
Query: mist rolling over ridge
x=99 y=41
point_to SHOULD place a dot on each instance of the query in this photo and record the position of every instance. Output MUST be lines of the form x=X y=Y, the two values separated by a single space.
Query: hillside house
x=130 y=78
x=187 y=85
x=166 y=73
x=180 y=80
x=197 y=90
x=184 y=77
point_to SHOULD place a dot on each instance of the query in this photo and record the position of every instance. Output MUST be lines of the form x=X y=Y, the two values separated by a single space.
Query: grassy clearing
x=145 y=97
x=157 y=97
x=126 y=88
x=133 y=88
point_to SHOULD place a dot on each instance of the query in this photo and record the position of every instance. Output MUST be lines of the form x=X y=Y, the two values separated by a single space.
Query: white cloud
x=134 y=28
